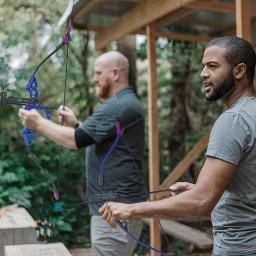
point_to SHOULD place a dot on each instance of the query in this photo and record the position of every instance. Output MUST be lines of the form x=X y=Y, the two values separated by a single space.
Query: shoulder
x=231 y=123
x=124 y=103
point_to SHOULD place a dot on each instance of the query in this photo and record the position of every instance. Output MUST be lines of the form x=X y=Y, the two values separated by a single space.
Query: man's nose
x=204 y=74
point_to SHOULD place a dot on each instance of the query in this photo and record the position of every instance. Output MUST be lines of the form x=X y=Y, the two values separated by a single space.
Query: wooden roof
x=185 y=20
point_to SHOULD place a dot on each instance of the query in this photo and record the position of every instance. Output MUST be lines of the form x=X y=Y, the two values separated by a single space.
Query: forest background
x=184 y=115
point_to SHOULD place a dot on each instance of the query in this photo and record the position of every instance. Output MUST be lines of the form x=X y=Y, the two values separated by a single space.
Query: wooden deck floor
x=80 y=252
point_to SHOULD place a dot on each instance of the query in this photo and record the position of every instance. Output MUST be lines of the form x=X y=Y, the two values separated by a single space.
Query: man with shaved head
x=113 y=162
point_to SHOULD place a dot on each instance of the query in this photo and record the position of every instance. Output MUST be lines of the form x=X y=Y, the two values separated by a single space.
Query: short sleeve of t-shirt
x=123 y=107
x=229 y=138
x=101 y=124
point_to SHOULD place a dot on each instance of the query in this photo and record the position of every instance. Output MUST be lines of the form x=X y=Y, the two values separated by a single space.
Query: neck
x=237 y=93
x=117 y=88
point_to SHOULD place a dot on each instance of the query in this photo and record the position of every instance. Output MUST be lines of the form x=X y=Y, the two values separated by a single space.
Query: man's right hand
x=180 y=187
x=66 y=116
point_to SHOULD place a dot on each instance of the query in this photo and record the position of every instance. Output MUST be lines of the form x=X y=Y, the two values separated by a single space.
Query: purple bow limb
x=29 y=135
x=67 y=37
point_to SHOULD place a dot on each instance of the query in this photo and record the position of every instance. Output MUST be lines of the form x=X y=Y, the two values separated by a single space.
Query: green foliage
x=23 y=26
x=184 y=116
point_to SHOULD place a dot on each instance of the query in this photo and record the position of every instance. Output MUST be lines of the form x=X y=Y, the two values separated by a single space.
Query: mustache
x=205 y=84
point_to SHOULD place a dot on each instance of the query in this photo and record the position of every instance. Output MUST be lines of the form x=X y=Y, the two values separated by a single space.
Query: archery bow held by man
x=114 y=140
x=226 y=186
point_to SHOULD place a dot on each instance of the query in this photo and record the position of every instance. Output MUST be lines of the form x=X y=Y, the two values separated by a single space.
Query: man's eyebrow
x=210 y=63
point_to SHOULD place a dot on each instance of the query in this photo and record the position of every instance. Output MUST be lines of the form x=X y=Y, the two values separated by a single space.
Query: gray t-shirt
x=233 y=139
x=122 y=169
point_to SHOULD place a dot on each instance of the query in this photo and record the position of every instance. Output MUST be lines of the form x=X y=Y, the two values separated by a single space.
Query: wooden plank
x=86 y=9
x=174 y=16
x=81 y=252
x=16 y=227
x=190 y=158
x=6 y=237
x=134 y=1
x=184 y=37
x=212 y=6
x=218 y=7
x=51 y=249
x=89 y=27
x=243 y=19
x=137 y=18
x=185 y=233
x=155 y=237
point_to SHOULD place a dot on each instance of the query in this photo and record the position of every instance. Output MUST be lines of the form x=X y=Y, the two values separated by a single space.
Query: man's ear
x=115 y=74
x=240 y=70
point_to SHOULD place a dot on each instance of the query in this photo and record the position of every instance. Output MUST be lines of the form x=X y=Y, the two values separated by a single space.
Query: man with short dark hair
x=114 y=139
x=226 y=186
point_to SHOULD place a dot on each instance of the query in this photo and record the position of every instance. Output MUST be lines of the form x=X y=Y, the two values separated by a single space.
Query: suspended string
x=64 y=104
x=32 y=89
x=142 y=243
x=45 y=172
x=149 y=193
x=119 y=134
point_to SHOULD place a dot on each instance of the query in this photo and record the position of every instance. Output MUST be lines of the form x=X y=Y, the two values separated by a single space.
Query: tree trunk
x=127 y=46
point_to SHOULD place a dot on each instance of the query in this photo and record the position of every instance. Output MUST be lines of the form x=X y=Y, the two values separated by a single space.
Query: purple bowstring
x=119 y=134
x=32 y=89
x=119 y=223
x=66 y=37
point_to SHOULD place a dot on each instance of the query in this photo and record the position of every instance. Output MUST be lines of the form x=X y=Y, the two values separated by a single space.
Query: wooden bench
x=81 y=252
x=16 y=227
x=185 y=233
x=51 y=249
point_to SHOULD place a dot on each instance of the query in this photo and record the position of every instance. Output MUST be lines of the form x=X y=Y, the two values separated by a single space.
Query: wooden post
x=155 y=236
x=243 y=19
x=186 y=162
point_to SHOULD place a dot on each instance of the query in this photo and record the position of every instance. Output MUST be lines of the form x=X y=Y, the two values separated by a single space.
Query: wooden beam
x=86 y=9
x=189 y=159
x=175 y=16
x=217 y=6
x=138 y=18
x=155 y=236
x=243 y=19
x=89 y=27
x=212 y=6
x=183 y=37
x=186 y=233
x=134 y=1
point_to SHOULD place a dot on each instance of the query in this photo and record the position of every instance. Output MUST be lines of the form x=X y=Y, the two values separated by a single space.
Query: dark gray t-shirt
x=233 y=139
x=122 y=169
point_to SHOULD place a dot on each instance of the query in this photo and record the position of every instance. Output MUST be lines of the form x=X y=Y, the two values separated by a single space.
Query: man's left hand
x=30 y=118
x=113 y=212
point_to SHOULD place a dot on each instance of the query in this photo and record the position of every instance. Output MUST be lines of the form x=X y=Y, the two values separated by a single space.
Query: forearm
x=61 y=135
x=182 y=206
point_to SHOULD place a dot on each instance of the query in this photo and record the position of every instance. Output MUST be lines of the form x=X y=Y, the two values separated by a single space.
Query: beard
x=103 y=91
x=222 y=89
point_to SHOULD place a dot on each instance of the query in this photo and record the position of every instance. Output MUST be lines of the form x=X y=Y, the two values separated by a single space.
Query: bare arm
x=196 y=202
x=180 y=187
x=64 y=136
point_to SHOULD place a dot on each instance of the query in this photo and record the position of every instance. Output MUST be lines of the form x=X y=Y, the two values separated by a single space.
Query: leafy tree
x=24 y=26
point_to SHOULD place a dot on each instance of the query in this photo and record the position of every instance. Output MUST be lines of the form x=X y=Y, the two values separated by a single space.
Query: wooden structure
x=16 y=227
x=49 y=249
x=202 y=20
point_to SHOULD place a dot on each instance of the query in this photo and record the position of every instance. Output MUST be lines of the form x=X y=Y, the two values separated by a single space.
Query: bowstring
x=60 y=163
x=149 y=193
x=66 y=40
